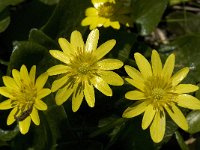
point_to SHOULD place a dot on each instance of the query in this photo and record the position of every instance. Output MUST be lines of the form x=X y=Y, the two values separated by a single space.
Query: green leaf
x=4 y=20
x=174 y=2
x=66 y=18
x=5 y=3
x=193 y=119
x=7 y=135
x=148 y=14
x=183 y=22
x=180 y=141
x=50 y=2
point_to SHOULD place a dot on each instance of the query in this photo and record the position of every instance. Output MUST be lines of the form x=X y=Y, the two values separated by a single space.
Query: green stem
x=180 y=141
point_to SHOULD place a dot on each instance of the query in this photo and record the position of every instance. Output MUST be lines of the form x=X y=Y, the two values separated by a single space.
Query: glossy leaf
x=193 y=119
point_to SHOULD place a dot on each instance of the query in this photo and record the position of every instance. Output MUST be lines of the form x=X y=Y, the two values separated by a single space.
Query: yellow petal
x=16 y=77
x=10 y=82
x=179 y=76
x=59 y=83
x=135 y=74
x=111 y=78
x=25 y=125
x=109 y=64
x=43 y=93
x=143 y=65
x=35 y=117
x=139 y=85
x=103 y=49
x=5 y=105
x=24 y=74
x=89 y=94
x=135 y=95
x=135 y=110
x=40 y=105
x=32 y=73
x=115 y=25
x=60 y=56
x=188 y=101
x=11 y=118
x=101 y=85
x=77 y=100
x=41 y=80
x=63 y=94
x=157 y=128
x=87 y=21
x=76 y=40
x=57 y=69
x=156 y=63
x=168 y=67
x=148 y=116
x=177 y=116
x=6 y=92
x=91 y=11
x=185 y=88
x=92 y=41
x=65 y=46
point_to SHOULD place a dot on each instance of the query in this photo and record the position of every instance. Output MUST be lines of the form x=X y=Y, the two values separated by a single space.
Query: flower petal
x=25 y=125
x=109 y=64
x=168 y=67
x=63 y=94
x=139 y=85
x=34 y=116
x=10 y=82
x=5 y=91
x=60 y=56
x=188 y=101
x=11 y=117
x=59 y=83
x=16 y=77
x=185 y=88
x=41 y=80
x=91 y=11
x=133 y=73
x=111 y=78
x=88 y=20
x=32 y=73
x=148 y=116
x=92 y=41
x=156 y=63
x=103 y=49
x=40 y=105
x=76 y=40
x=5 y=105
x=135 y=110
x=43 y=93
x=179 y=76
x=177 y=116
x=77 y=100
x=135 y=95
x=143 y=65
x=24 y=74
x=115 y=24
x=157 y=128
x=89 y=94
x=65 y=46
x=57 y=69
x=101 y=85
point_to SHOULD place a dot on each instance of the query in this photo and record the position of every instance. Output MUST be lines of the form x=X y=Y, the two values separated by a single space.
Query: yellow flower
x=83 y=69
x=158 y=91
x=24 y=97
x=107 y=13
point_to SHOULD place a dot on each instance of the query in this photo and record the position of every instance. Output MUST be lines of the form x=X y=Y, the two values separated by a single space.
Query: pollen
x=106 y=10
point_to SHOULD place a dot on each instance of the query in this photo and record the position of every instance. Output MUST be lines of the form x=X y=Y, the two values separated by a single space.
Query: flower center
x=158 y=94
x=24 y=101
x=106 y=10
x=84 y=68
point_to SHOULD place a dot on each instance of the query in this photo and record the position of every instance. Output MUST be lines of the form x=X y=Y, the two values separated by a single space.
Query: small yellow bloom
x=24 y=96
x=158 y=91
x=107 y=13
x=83 y=68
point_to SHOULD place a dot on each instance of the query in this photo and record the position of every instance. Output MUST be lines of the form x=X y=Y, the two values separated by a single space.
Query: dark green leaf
x=148 y=14
x=180 y=141
x=5 y=3
x=4 y=20
x=193 y=119
x=50 y=2
x=66 y=18
x=6 y=135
